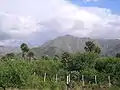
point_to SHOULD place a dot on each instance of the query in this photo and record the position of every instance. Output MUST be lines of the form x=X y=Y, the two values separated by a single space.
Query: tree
x=97 y=50
x=81 y=61
x=56 y=57
x=45 y=57
x=10 y=55
x=30 y=55
x=118 y=55
x=3 y=57
x=14 y=73
x=65 y=59
x=91 y=47
x=25 y=49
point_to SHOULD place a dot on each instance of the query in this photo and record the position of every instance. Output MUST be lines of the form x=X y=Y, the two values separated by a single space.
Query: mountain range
x=71 y=44
x=8 y=49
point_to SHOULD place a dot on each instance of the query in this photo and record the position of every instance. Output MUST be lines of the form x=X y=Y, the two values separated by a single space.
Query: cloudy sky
x=36 y=21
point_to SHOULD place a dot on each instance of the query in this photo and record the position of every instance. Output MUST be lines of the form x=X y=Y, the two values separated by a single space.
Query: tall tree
x=25 y=49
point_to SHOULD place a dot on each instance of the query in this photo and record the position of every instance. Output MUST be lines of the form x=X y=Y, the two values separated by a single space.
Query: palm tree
x=25 y=49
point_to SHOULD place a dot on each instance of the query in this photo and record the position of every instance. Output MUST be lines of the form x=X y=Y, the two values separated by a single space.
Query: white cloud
x=18 y=25
x=27 y=17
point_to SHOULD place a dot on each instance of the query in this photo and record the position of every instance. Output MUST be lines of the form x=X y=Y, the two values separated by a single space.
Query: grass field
x=76 y=88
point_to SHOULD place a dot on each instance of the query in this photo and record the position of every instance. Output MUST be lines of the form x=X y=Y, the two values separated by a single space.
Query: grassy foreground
x=77 y=88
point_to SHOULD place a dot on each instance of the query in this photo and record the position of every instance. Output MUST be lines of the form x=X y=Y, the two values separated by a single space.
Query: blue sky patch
x=113 y=5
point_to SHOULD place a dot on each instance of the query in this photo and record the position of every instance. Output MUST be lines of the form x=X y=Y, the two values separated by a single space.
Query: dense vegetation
x=47 y=73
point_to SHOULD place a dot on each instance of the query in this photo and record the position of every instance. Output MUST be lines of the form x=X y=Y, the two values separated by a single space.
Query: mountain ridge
x=71 y=44
x=8 y=49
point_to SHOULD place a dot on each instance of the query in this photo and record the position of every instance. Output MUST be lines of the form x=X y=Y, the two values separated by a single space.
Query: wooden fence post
x=34 y=73
x=56 y=79
x=44 y=77
x=83 y=83
x=109 y=81
x=69 y=78
x=95 y=80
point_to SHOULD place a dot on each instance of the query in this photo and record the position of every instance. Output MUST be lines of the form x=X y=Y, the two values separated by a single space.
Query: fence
x=69 y=79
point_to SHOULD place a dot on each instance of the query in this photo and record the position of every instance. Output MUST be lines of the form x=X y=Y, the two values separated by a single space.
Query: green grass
x=76 y=88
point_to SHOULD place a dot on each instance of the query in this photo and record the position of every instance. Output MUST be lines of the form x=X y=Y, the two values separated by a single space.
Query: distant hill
x=74 y=44
x=69 y=44
x=8 y=49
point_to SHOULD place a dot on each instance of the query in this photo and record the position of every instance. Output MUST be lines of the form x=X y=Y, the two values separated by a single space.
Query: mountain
x=69 y=44
x=74 y=44
x=8 y=49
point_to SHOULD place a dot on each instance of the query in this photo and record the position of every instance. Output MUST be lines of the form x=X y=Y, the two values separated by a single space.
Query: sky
x=36 y=21
x=113 y=5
